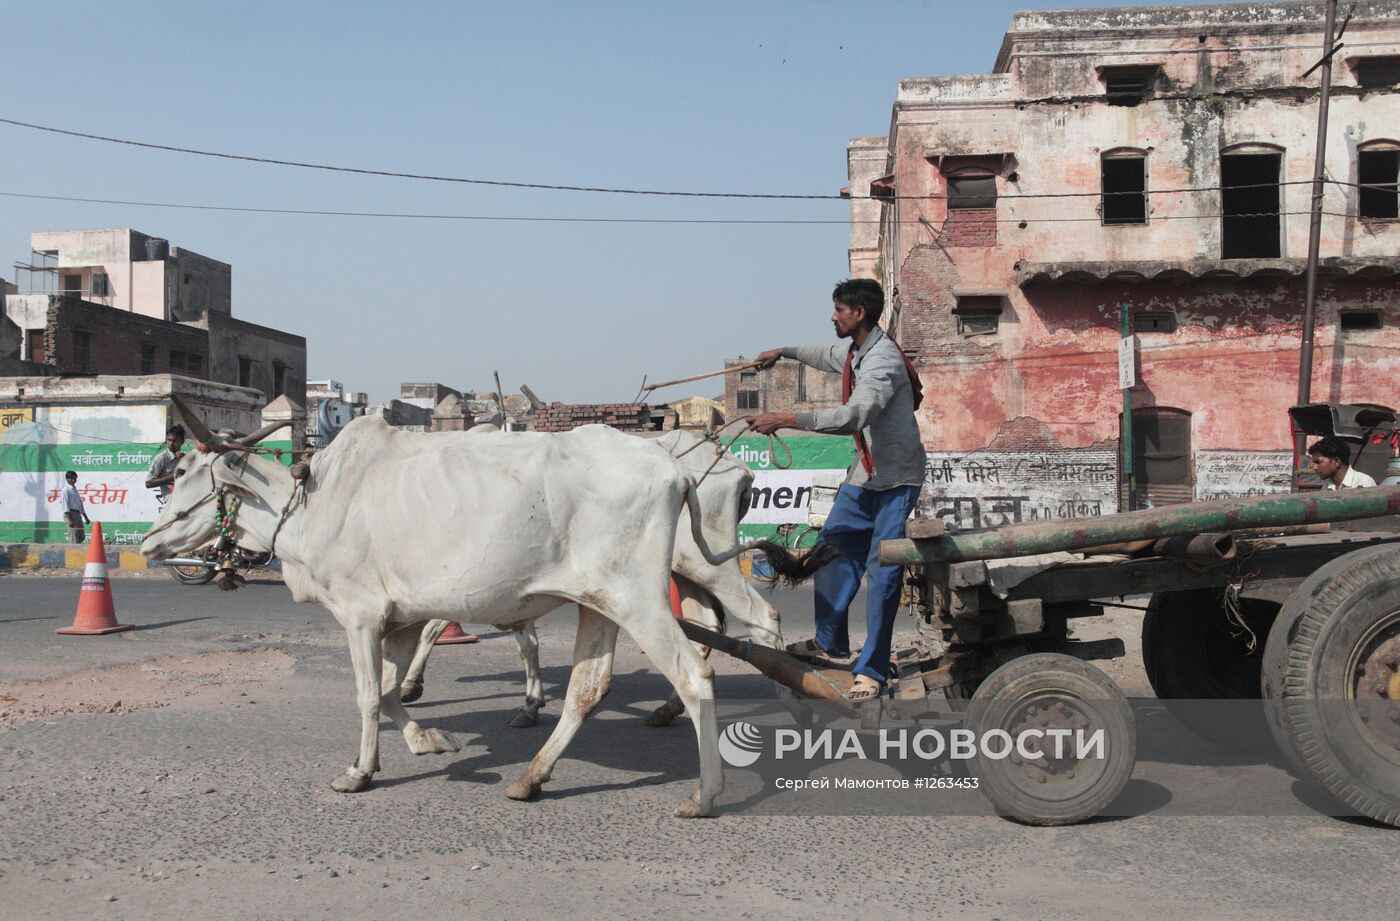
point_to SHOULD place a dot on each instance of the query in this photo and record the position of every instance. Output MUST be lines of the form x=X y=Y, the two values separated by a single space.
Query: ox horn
x=260 y=434
x=196 y=425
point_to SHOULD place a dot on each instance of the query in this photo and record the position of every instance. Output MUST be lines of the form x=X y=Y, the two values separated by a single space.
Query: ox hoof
x=523 y=790
x=665 y=715
x=433 y=742
x=694 y=808
x=524 y=718
x=410 y=691
x=352 y=781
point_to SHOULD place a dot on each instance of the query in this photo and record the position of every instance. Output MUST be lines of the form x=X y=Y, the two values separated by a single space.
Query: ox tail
x=792 y=570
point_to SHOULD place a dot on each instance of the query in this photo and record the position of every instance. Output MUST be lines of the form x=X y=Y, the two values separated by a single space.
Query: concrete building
x=329 y=408
x=131 y=271
x=698 y=413
x=425 y=395
x=105 y=428
x=787 y=387
x=123 y=302
x=1155 y=160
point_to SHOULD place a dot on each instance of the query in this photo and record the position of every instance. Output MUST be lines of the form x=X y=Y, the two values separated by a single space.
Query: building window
x=1378 y=174
x=1353 y=320
x=1128 y=86
x=82 y=350
x=1249 y=200
x=245 y=371
x=801 y=383
x=186 y=363
x=748 y=399
x=1124 y=176
x=148 y=358
x=746 y=376
x=1378 y=72
x=100 y=287
x=978 y=315
x=71 y=285
x=36 y=352
x=972 y=187
x=1159 y=321
x=279 y=379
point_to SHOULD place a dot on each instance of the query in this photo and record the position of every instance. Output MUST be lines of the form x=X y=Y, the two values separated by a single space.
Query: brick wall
x=562 y=417
x=115 y=338
x=971 y=227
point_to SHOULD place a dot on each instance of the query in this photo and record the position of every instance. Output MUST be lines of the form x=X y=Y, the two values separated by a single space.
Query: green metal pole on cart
x=1126 y=378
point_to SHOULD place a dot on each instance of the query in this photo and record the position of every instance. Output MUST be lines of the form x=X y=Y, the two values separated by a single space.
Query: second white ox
x=714 y=596
x=394 y=529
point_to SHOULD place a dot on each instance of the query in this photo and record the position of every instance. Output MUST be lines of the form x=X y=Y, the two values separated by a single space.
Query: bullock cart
x=1264 y=625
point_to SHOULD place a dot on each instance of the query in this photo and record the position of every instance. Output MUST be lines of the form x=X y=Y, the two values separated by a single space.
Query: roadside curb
x=63 y=556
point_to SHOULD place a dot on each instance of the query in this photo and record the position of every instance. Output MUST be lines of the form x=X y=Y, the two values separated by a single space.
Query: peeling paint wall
x=1229 y=75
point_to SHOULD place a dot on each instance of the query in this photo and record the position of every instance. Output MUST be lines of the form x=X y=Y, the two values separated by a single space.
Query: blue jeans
x=859 y=520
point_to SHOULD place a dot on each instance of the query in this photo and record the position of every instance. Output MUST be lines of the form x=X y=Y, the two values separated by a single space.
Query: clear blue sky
x=757 y=97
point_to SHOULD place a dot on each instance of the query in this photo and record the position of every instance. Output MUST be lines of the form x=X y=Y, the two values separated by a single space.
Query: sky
x=717 y=97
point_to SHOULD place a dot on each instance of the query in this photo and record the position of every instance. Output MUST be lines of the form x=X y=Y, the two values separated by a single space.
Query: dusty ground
x=181 y=770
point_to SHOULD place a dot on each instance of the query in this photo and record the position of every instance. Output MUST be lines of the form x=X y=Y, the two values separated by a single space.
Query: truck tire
x=1195 y=658
x=1332 y=673
x=1052 y=691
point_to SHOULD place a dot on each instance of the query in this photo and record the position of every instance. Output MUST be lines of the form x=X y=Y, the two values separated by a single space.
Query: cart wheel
x=1195 y=657
x=1050 y=691
x=1332 y=670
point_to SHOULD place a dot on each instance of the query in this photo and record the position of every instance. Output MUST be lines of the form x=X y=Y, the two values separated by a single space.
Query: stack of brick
x=562 y=417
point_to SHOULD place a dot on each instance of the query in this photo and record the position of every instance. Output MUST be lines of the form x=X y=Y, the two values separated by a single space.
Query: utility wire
x=404 y=215
x=602 y=189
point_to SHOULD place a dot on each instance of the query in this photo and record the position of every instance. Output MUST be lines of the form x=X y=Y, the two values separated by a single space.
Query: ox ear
x=260 y=434
x=196 y=425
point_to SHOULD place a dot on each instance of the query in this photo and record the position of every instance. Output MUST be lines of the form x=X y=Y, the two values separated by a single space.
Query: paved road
x=181 y=771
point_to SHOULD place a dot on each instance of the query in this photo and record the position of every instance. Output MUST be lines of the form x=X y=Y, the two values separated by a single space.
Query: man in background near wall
x=879 y=393
x=1331 y=458
x=73 y=511
x=161 y=474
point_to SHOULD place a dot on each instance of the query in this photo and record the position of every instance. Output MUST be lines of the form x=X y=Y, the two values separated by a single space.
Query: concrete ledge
x=63 y=556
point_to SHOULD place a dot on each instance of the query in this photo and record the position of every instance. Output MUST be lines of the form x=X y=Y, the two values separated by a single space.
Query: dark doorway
x=1161 y=457
x=1249 y=198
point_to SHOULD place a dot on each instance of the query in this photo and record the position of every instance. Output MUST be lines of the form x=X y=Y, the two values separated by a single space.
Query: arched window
x=1378 y=175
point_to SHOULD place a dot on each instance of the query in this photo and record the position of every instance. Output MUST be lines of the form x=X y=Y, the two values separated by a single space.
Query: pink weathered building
x=1153 y=158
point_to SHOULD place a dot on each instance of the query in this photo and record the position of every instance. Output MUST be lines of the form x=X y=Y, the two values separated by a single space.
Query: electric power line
x=507 y=218
x=272 y=161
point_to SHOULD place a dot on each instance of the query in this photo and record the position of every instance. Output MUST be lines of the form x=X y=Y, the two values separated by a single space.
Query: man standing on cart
x=879 y=392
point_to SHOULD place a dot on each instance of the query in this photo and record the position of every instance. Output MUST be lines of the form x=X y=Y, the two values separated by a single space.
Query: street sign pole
x=1126 y=378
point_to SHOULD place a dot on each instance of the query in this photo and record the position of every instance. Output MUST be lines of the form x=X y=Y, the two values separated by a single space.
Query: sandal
x=808 y=649
x=863 y=687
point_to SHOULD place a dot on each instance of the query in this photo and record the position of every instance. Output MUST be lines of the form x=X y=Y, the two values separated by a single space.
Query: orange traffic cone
x=96 y=613
x=454 y=636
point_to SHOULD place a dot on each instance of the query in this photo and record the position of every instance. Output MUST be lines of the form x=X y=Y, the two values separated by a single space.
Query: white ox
x=711 y=595
x=394 y=529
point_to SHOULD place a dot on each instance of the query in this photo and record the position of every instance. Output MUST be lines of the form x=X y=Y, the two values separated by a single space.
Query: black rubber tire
x=1192 y=657
x=1049 y=677
x=192 y=575
x=1276 y=647
x=1309 y=666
